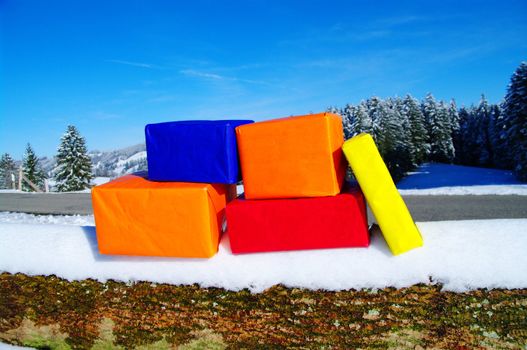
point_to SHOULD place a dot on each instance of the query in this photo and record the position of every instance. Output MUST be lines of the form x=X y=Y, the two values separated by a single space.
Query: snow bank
x=23 y=218
x=501 y=190
x=462 y=255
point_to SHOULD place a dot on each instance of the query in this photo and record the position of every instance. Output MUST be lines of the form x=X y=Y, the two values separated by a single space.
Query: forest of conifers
x=409 y=132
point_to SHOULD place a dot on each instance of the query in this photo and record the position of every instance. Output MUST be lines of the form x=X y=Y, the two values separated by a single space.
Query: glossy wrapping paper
x=295 y=224
x=292 y=157
x=193 y=151
x=385 y=202
x=135 y=216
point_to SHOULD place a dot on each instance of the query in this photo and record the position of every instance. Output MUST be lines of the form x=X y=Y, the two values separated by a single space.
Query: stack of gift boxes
x=293 y=174
x=295 y=196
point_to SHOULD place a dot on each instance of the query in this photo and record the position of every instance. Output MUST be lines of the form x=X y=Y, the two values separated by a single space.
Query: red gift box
x=295 y=224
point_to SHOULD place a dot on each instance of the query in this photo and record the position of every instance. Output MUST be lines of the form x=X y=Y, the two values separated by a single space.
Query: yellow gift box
x=382 y=196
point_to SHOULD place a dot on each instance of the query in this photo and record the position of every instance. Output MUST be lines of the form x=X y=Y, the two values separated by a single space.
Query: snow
x=137 y=156
x=121 y=163
x=99 y=180
x=462 y=255
x=4 y=346
x=448 y=179
x=520 y=190
x=23 y=218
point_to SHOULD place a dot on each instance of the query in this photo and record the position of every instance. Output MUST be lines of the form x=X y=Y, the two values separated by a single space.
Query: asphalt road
x=47 y=203
x=423 y=208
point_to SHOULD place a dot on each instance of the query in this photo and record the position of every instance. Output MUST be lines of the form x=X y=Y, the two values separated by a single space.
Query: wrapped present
x=385 y=202
x=193 y=151
x=292 y=157
x=135 y=216
x=296 y=224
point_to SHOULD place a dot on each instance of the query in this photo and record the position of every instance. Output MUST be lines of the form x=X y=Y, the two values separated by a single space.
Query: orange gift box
x=292 y=157
x=135 y=216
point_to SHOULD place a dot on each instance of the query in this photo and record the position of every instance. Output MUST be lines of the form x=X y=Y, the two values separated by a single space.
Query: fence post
x=29 y=182
x=20 y=178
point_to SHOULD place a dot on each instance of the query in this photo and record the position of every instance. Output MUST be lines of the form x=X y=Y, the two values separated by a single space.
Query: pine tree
x=481 y=125
x=515 y=110
x=32 y=170
x=376 y=109
x=418 y=135
x=347 y=121
x=361 y=121
x=397 y=139
x=445 y=150
x=502 y=157
x=472 y=138
x=460 y=138
x=453 y=117
x=439 y=130
x=7 y=168
x=74 y=164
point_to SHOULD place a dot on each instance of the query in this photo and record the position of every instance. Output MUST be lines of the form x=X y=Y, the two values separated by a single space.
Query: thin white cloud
x=162 y=98
x=134 y=64
x=194 y=73
x=218 y=77
x=101 y=115
x=395 y=21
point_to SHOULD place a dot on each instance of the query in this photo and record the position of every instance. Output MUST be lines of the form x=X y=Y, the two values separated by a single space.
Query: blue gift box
x=193 y=151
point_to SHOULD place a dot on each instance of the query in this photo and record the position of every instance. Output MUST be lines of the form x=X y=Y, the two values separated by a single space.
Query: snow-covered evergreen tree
x=446 y=152
x=397 y=140
x=439 y=129
x=453 y=117
x=360 y=120
x=481 y=125
x=347 y=121
x=74 y=164
x=515 y=110
x=471 y=138
x=502 y=155
x=32 y=170
x=7 y=167
x=460 y=138
x=376 y=114
x=418 y=135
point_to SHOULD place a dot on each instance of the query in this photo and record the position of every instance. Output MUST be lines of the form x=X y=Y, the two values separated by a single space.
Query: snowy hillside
x=109 y=163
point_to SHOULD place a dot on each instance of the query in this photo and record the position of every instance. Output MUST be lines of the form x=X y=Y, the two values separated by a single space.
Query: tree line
x=409 y=132
x=72 y=173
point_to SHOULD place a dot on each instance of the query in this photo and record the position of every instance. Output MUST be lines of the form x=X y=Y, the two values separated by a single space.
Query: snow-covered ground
x=23 y=218
x=462 y=255
x=99 y=180
x=9 y=191
x=4 y=346
x=448 y=179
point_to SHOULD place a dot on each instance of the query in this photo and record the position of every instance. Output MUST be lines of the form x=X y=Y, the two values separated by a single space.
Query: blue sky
x=110 y=67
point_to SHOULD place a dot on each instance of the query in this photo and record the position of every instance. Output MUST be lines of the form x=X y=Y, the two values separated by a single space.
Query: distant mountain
x=110 y=163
